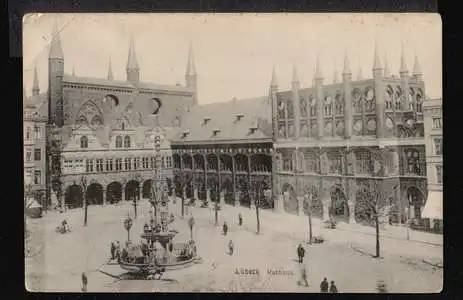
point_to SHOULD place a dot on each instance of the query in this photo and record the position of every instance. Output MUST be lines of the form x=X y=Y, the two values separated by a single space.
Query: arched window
x=127 y=141
x=96 y=120
x=313 y=106
x=419 y=101
x=328 y=106
x=364 y=162
x=84 y=142
x=389 y=97
x=281 y=108
x=398 y=98
x=413 y=162
x=290 y=108
x=303 y=105
x=118 y=141
x=339 y=108
x=28 y=133
x=357 y=100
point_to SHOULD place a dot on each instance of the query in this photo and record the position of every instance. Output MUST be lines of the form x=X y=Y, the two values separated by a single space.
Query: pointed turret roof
x=295 y=75
x=36 y=86
x=74 y=70
x=56 y=51
x=346 y=69
x=359 y=73
x=318 y=69
x=387 y=72
x=403 y=65
x=110 y=70
x=132 y=62
x=190 y=67
x=416 y=66
x=335 y=74
x=274 y=81
x=377 y=62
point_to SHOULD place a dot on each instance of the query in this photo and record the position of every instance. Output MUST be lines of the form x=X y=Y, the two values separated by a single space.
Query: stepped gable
x=256 y=113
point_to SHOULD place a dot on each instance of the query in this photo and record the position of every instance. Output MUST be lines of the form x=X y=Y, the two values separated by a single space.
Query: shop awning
x=433 y=207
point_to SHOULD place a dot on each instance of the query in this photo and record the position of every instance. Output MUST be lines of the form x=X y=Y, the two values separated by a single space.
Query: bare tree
x=371 y=205
x=309 y=195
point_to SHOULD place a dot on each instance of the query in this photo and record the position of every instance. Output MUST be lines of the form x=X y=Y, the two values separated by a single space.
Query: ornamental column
x=104 y=196
x=352 y=193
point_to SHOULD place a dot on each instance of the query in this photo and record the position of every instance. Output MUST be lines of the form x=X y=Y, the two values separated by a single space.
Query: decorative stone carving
x=350 y=157
x=324 y=163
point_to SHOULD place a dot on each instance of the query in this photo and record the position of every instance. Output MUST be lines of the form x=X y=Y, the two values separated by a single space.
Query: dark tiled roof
x=256 y=112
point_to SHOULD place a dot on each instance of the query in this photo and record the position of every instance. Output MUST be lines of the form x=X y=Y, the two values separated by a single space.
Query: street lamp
x=128 y=225
x=84 y=188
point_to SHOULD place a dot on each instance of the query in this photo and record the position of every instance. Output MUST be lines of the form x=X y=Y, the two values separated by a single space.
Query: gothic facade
x=334 y=140
x=101 y=131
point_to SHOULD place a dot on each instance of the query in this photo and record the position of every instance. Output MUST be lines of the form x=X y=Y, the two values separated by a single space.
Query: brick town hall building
x=104 y=130
x=334 y=140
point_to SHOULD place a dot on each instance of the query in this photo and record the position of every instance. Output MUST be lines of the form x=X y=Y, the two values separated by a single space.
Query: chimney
x=206 y=120
x=239 y=117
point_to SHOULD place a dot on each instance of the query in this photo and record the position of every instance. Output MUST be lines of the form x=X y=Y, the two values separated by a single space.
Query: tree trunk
x=216 y=213
x=377 y=237
x=310 y=228
x=258 y=219
x=191 y=233
x=85 y=208
x=183 y=205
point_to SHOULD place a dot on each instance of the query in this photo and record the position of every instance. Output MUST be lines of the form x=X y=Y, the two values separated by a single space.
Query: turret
x=359 y=71
x=295 y=86
x=320 y=98
x=273 y=89
x=335 y=74
x=387 y=72
x=404 y=80
x=379 y=92
x=132 y=69
x=55 y=79
x=191 y=77
x=346 y=80
x=35 y=87
x=417 y=69
x=110 y=70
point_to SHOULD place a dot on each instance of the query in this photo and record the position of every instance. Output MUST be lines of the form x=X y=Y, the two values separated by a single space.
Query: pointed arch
x=88 y=111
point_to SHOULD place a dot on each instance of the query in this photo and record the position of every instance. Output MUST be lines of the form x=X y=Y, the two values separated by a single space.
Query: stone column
x=104 y=196
x=208 y=195
x=123 y=193
x=300 y=205
x=352 y=194
x=140 y=192
x=237 y=198
x=222 y=198
x=196 y=193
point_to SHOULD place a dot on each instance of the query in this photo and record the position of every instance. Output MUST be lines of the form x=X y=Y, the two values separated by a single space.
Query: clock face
x=358 y=125
x=371 y=125
x=370 y=94
x=389 y=123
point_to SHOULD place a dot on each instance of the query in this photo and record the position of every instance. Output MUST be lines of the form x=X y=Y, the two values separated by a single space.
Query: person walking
x=113 y=250
x=333 y=288
x=300 y=253
x=240 y=219
x=84 y=282
x=230 y=247
x=118 y=251
x=225 y=228
x=324 y=285
x=303 y=280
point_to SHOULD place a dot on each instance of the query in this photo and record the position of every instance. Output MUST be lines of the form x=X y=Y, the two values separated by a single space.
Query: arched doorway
x=227 y=187
x=290 y=202
x=416 y=202
x=147 y=191
x=132 y=190
x=95 y=194
x=339 y=208
x=73 y=196
x=114 y=192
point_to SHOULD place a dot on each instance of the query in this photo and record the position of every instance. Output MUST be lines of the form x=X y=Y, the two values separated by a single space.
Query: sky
x=234 y=53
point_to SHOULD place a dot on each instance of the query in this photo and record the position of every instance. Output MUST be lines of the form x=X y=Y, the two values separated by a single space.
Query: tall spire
x=313 y=78
x=73 y=70
x=403 y=65
x=416 y=67
x=110 y=70
x=35 y=87
x=190 y=67
x=377 y=62
x=56 y=51
x=387 y=72
x=274 y=81
x=295 y=75
x=132 y=62
x=359 y=73
x=346 y=69
x=318 y=69
x=335 y=73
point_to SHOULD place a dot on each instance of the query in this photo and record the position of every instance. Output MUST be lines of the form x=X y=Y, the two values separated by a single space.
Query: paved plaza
x=56 y=261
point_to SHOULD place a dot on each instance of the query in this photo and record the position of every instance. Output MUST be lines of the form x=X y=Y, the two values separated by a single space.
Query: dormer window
x=216 y=131
x=239 y=117
x=206 y=120
x=253 y=129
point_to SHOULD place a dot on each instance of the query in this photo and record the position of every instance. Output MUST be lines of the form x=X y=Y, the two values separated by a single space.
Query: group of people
x=325 y=287
x=115 y=249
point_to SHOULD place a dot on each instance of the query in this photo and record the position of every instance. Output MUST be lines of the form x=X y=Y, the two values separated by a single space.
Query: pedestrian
x=240 y=219
x=118 y=251
x=300 y=253
x=113 y=250
x=84 y=282
x=324 y=285
x=225 y=228
x=303 y=276
x=333 y=288
x=230 y=247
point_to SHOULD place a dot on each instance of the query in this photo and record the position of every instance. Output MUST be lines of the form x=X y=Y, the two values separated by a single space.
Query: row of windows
x=97 y=88
x=33 y=177
x=37 y=155
x=37 y=134
x=117 y=164
x=439 y=174
x=126 y=142
x=436 y=122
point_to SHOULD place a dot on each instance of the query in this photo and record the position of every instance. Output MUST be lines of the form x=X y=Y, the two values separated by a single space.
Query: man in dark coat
x=240 y=219
x=324 y=285
x=113 y=251
x=333 y=288
x=225 y=228
x=84 y=282
x=300 y=253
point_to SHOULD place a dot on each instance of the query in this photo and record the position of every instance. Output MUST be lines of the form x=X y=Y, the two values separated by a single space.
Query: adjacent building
x=223 y=152
x=101 y=131
x=434 y=162
x=334 y=140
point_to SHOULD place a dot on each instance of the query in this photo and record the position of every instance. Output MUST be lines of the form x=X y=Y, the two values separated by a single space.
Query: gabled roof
x=256 y=112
